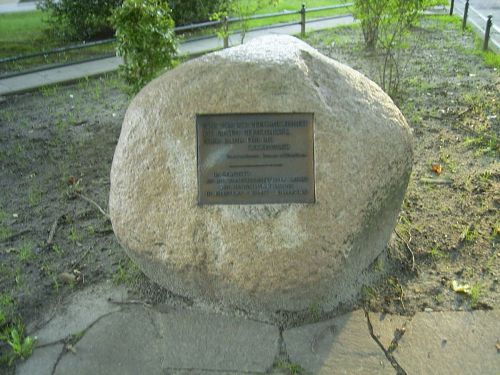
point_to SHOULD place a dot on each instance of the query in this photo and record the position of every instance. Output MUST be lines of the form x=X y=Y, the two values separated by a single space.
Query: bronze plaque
x=256 y=158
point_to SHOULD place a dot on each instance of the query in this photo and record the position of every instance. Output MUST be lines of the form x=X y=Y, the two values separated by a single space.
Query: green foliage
x=192 y=11
x=240 y=9
x=22 y=346
x=13 y=343
x=126 y=273
x=80 y=20
x=385 y=23
x=476 y=291
x=145 y=39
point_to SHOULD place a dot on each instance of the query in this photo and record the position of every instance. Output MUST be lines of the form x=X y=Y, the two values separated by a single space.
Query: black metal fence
x=490 y=32
x=48 y=59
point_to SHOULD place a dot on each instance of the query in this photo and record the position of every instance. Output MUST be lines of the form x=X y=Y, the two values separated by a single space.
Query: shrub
x=80 y=20
x=145 y=39
x=192 y=11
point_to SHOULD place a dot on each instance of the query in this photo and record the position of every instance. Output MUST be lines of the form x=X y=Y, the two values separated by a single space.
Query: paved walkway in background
x=100 y=331
x=73 y=72
x=31 y=81
x=13 y=6
x=479 y=10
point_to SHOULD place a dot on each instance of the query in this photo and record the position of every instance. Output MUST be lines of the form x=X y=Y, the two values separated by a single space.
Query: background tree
x=192 y=11
x=80 y=19
x=145 y=39
x=385 y=24
x=240 y=9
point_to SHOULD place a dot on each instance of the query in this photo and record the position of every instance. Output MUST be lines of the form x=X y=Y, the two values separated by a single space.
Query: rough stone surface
x=339 y=346
x=261 y=257
x=451 y=343
x=140 y=340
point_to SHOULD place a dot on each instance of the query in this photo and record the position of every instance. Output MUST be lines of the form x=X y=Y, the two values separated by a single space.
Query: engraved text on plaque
x=255 y=158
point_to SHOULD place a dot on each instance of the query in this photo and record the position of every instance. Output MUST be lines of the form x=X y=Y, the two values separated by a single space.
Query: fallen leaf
x=460 y=288
x=71 y=180
x=437 y=168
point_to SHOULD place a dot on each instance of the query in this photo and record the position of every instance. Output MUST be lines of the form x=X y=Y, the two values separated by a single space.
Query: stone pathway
x=100 y=331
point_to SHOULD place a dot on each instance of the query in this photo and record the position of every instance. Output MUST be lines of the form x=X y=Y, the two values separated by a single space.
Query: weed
x=90 y=230
x=485 y=177
x=18 y=277
x=126 y=273
x=469 y=234
x=5 y=233
x=435 y=253
x=25 y=252
x=49 y=272
x=73 y=235
x=439 y=298
x=484 y=144
x=446 y=158
x=476 y=291
x=22 y=346
x=48 y=91
x=34 y=196
x=57 y=250
x=367 y=293
x=293 y=368
x=490 y=263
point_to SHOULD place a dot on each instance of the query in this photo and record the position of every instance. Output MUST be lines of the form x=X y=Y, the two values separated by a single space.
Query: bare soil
x=57 y=146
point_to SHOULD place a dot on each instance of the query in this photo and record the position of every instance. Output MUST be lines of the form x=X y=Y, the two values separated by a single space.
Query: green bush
x=192 y=11
x=80 y=19
x=379 y=18
x=145 y=39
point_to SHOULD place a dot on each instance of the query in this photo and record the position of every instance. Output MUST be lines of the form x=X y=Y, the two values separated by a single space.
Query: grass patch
x=22 y=33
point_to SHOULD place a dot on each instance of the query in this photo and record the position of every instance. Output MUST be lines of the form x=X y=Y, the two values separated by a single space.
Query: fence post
x=451 y=7
x=226 y=33
x=466 y=13
x=489 y=23
x=303 y=20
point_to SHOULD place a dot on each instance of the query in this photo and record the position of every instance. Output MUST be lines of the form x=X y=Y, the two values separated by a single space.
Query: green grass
x=22 y=33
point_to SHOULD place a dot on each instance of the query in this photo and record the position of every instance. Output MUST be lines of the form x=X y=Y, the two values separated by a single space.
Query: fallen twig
x=408 y=247
x=80 y=195
x=436 y=181
x=52 y=232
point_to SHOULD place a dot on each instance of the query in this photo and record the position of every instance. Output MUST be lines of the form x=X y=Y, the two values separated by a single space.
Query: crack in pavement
x=394 y=343
x=72 y=339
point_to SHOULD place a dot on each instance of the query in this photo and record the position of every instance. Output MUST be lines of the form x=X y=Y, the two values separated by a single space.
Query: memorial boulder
x=266 y=176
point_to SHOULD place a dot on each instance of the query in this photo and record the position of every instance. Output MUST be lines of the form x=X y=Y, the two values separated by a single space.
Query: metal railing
x=222 y=23
x=488 y=29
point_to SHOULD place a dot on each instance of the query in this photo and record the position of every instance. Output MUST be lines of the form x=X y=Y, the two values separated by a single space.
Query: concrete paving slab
x=41 y=362
x=139 y=340
x=451 y=343
x=207 y=341
x=80 y=311
x=385 y=326
x=123 y=343
x=339 y=346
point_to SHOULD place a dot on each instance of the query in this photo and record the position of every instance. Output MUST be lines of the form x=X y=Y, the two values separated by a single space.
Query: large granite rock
x=261 y=257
